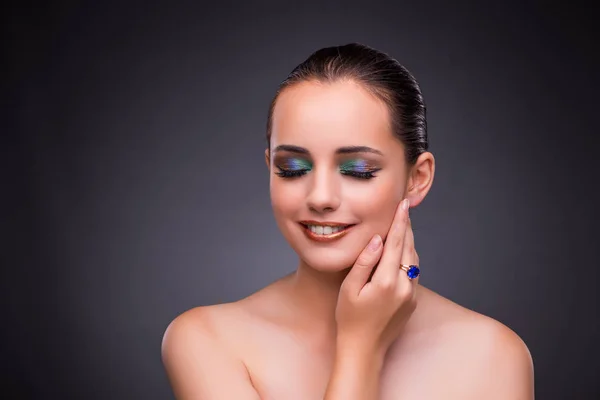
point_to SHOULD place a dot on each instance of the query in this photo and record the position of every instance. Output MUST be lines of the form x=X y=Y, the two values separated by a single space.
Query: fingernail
x=405 y=204
x=374 y=243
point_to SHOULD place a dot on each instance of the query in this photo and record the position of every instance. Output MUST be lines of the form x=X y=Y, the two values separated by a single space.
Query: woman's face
x=333 y=160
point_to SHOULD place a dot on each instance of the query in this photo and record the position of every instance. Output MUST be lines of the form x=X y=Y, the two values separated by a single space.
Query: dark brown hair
x=379 y=73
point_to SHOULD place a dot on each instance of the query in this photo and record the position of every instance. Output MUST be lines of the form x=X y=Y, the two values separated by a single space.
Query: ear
x=268 y=158
x=420 y=178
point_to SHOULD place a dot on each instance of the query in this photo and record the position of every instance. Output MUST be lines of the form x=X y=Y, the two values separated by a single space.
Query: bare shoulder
x=500 y=361
x=204 y=324
x=493 y=359
x=199 y=362
x=221 y=323
x=193 y=323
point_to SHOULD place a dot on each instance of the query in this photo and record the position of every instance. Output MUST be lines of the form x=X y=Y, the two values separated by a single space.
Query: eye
x=360 y=175
x=286 y=173
x=293 y=167
x=358 y=169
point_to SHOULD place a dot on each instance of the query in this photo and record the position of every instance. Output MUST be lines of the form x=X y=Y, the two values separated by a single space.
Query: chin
x=328 y=260
x=332 y=257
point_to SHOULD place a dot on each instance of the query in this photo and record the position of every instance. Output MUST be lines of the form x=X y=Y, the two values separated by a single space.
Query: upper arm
x=198 y=366
x=506 y=372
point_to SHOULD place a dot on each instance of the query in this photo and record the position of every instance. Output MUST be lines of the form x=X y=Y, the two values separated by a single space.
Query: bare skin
x=445 y=352
x=312 y=335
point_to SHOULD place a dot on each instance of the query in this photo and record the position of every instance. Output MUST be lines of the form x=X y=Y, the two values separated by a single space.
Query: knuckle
x=405 y=294
x=352 y=300
x=400 y=242
x=365 y=260
x=397 y=241
x=385 y=285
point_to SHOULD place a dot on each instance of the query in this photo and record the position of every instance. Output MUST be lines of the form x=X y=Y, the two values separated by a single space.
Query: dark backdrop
x=137 y=189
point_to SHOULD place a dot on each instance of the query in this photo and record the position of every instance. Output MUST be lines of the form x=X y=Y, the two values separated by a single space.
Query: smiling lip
x=325 y=238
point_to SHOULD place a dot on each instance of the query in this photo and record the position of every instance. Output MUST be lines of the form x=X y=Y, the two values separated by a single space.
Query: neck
x=315 y=295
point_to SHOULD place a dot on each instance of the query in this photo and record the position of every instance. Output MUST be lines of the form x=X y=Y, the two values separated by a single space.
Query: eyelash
x=361 y=174
x=288 y=173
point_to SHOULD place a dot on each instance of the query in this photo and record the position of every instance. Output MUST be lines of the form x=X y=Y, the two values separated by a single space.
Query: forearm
x=355 y=375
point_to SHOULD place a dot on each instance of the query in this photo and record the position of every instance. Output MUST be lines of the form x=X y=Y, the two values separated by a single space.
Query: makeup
x=325 y=231
x=292 y=166
x=359 y=168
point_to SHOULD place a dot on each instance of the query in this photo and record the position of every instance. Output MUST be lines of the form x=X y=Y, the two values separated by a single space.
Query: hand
x=371 y=314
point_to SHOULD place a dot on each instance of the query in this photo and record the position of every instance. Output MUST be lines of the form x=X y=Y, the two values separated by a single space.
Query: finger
x=409 y=257
x=362 y=268
x=387 y=271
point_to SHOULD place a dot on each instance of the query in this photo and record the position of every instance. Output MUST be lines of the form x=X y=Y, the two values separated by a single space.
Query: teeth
x=325 y=230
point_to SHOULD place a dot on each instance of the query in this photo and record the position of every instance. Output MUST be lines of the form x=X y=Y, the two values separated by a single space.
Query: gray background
x=137 y=189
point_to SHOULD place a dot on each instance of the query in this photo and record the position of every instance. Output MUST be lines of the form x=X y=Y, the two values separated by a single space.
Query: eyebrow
x=341 y=150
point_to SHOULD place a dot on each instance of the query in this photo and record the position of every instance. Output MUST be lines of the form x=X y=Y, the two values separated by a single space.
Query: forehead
x=327 y=115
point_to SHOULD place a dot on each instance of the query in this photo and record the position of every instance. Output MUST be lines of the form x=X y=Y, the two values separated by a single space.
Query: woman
x=347 y=157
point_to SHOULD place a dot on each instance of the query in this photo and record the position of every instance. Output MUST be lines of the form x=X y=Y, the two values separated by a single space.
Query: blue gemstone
x=413 y=272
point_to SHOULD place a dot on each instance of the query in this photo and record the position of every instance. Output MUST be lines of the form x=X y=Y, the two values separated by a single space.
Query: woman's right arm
x=355 y=375
x=199 y=366
x=370 y=315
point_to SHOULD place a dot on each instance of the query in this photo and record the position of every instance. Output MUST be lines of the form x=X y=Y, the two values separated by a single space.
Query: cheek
x=285 y=201
x=377 y=205
x=285 y=197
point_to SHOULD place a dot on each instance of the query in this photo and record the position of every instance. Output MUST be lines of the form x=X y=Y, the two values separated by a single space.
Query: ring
x=412 y=271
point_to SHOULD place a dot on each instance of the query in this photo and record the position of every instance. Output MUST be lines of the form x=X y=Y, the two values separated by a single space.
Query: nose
x=323 y=195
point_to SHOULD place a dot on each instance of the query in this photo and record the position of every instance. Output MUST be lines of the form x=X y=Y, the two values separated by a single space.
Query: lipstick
x=318 y=231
